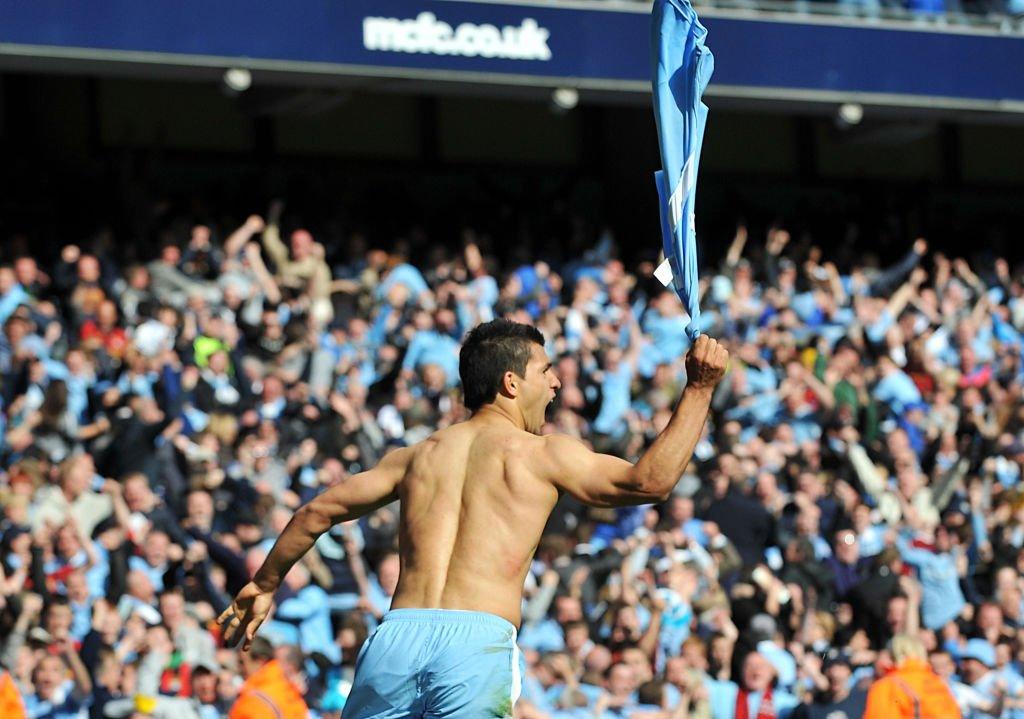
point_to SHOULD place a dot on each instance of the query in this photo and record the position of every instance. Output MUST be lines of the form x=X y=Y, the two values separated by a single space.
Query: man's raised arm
x=607 y=481
x=356 y=496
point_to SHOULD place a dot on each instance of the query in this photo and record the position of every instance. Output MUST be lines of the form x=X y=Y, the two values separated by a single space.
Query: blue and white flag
x=682 y=66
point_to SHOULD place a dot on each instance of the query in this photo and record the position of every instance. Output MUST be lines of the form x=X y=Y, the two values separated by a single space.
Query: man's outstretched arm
x=356 y=496
x=607 y=481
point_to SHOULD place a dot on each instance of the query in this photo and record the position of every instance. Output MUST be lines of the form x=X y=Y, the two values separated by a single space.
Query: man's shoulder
x=553 y=453
x=493 y=436
x=454 y=444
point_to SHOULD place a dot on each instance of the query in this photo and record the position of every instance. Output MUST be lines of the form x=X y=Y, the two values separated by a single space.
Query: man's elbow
x=314 y=517
x=660 y=495
x=648 y=489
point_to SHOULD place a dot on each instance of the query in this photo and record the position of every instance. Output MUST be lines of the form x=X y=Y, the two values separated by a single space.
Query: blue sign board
x=558 y=43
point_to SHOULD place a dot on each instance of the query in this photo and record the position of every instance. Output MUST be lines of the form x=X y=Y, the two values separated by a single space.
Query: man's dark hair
x=488 y=352
x=651 y=692
x=261 y=650
x=57 y=600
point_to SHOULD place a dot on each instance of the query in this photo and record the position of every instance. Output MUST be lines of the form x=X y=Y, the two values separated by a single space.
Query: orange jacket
x=11 y=706
x=894 y=696
x=268 y=694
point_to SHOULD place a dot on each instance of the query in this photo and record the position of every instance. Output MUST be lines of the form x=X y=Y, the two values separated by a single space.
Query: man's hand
x=706 y=363
x=31 y=606
x=175 y=553
x=255 y=223
x=196 y=553
x=849 y=434
x=245 y=615
x=70 y=254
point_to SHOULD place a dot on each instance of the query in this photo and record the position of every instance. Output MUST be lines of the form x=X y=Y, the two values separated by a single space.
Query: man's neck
x=495 y=412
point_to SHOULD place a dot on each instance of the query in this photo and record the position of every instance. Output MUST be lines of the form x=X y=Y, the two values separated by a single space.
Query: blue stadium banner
x=587 y=45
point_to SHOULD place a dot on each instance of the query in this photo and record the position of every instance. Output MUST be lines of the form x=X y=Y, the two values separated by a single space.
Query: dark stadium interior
x=84 y=152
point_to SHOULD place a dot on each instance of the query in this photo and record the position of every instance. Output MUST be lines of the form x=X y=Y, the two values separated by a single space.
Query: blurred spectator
x=836 y=696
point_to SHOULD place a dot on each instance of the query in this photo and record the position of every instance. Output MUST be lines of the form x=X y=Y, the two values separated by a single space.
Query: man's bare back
x=473 y=509
x=475 y=496
x=474 y=500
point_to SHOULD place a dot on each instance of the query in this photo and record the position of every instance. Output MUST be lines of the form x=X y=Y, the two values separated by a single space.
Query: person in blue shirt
x=56 y=696
x=619 y=367
x=546 y=685
x=432 y=345
x=154 y=560
x=12 y=294
x=537 y=289
x=615 y=394
x=619 y=699
x=308 y=610
x=978 y=671
x=665 y=324
x=895 y=388
x=382 y=584
x=942 y=600
x=81 y=603
x=406 y=275
x=680 y=513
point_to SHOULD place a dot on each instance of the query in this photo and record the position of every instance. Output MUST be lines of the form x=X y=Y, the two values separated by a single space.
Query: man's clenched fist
x=706 y=363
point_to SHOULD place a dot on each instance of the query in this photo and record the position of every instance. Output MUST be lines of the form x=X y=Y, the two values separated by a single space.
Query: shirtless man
x=475 y=498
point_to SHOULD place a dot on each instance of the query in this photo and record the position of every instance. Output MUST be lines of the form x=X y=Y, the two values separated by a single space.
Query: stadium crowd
x=848 y=540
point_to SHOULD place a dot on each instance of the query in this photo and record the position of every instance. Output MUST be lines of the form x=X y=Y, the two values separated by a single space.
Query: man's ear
x=510 y=384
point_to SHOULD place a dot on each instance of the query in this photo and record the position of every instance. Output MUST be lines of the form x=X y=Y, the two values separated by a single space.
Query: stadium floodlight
x=237 y=79
x=850 y=114
x=565 y=98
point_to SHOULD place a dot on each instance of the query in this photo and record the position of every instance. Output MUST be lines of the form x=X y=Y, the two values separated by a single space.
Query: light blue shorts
x=437 y=664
